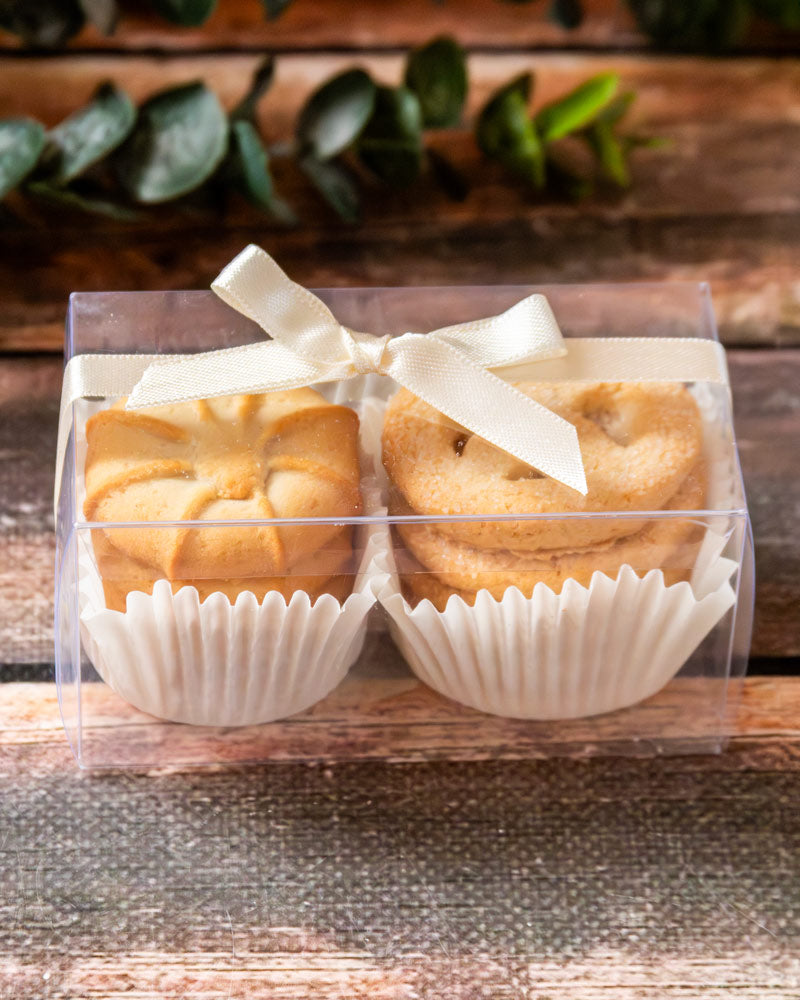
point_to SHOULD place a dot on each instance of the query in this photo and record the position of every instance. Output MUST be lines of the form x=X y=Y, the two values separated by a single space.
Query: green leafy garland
x=112 y=159
x=692 y=25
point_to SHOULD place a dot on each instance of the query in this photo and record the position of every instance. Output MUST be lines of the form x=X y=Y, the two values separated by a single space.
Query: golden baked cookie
x=669 y=544
x=639 y=442
x=420 y=586
x=237 y=458
x=327 y=571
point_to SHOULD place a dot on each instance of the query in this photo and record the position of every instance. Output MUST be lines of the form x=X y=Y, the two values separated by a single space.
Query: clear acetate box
x=369 y=645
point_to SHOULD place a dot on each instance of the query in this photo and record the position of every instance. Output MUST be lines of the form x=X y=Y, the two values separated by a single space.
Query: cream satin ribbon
x=463 y=371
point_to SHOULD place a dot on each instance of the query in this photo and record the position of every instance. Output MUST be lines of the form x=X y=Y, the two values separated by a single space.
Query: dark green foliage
x=506 y=132
x=335 y=114
x=437 y=73
x=108 y=159
x=567 y=13
x=179 y=140
x=21 y=143
x=42 y=23
x=72 y=198
x=249 y=172
x=189 y=13
x=699 y=25
x=694 y=25
x=531 y=146
x=336 y=185
x=260 y=84
x=391 y=143
x=783 y=12
x=274 y=8
x=89 y=134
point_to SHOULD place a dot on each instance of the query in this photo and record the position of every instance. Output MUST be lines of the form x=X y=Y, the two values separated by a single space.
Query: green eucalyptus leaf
x=42 y=23
x=786 y=13
x=251 y=173
x=90 y=134
x=451 y=180
x=567 y=13
x=180 y=139
x=505 y=132
x=68 y=198
x=522 y=85
x=615 y=110
x=274 y=8
x=335 y=114
x=336 y=185
x=391 y=143
x=437 y=73
x=260 y=84
x=610 y=152
x=103 y=14
x=189 y=13
x=21 y=143
x=578 y=108
x=702 y=24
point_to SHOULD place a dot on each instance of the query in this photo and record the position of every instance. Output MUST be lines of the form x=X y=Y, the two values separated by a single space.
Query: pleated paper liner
x=218 y=663
x=585 y=651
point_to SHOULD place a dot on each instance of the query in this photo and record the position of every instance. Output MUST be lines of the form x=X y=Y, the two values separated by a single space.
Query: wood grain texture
x=561 y=879
x=388 y=715
x=337 y=24
x=369 y=24
x=721 y=204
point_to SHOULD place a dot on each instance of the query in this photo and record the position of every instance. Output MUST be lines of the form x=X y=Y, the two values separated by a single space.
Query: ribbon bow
x=453 y=368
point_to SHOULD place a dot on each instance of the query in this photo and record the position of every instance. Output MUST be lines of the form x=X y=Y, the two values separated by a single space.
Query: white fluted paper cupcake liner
x=220 y=664
x=582 y=652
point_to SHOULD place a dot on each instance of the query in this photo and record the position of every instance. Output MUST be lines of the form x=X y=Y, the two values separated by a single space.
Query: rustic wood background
x=473 y=879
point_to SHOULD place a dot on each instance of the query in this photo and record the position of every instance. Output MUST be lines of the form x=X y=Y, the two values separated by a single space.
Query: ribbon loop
x=448 y=368
x=464 y=371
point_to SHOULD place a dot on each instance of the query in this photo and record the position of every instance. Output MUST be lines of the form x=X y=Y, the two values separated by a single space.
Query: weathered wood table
x=456 y=878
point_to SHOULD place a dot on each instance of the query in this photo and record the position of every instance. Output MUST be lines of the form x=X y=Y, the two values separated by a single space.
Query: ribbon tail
x=473 y=397
x=266 y=366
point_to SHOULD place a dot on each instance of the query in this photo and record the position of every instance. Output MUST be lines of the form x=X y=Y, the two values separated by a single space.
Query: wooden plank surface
x=369 y=24
x=561 y=879
x=721 y=203
x=388 y=715
x=338 y=24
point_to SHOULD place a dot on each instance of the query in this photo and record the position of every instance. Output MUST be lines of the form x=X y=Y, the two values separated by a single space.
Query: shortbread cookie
x=237 y=458
x=639 y=442
x=669 y=544
x=327 y=571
